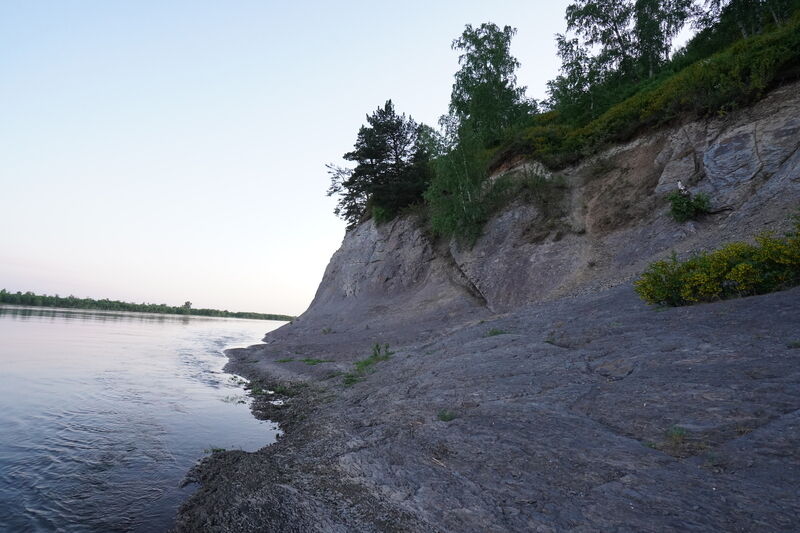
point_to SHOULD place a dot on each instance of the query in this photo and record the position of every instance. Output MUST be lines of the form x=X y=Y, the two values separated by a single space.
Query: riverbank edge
x=297 y=492
x=380 y=455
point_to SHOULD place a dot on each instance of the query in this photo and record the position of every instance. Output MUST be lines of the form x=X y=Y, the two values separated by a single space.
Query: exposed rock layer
x=579 y=407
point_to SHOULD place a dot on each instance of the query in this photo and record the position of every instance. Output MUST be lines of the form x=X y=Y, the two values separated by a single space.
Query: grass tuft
x=361 y=368
x=446 y=415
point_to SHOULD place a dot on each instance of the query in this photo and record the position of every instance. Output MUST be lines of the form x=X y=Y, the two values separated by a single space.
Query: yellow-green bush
x=738 y=269
x=734 y=77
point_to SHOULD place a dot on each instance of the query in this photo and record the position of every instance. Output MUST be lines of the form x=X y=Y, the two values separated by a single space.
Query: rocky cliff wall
x=610 y=220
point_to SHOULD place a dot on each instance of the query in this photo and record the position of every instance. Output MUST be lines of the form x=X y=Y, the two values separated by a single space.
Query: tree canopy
x=485 y=100
x=619 y=75
x=391 y=156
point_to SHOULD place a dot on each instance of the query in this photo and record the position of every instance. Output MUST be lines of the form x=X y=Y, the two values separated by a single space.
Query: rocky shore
x=525 y=387
x=595 y=413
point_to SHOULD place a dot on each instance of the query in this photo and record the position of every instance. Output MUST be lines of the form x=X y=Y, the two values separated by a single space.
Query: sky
x=164 y=150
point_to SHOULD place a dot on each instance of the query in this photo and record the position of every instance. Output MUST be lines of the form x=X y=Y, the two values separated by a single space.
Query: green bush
x=738 y=269
x=687 y=206
x=455 y=200
x=734 y=77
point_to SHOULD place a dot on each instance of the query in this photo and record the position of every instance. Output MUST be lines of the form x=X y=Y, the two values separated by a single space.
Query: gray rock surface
x=529 y=389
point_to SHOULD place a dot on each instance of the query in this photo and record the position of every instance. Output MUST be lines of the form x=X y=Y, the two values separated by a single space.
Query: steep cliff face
x=503 y=406
x=610 y=220
x=392 y=269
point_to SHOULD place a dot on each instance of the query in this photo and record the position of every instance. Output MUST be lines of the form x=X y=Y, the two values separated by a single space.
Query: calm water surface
x=102 y=414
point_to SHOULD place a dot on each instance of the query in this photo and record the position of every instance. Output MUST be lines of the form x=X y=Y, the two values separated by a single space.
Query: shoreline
x=199 y=314
x=555 y=425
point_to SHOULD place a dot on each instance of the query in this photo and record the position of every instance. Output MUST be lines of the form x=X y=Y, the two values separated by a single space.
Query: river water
x=103 y=413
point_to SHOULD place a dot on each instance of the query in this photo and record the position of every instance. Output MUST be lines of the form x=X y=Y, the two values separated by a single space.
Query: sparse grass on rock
x=363 y=367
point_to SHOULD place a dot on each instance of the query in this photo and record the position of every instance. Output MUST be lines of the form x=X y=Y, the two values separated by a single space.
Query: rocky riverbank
x=596 y=413
x=525 y=387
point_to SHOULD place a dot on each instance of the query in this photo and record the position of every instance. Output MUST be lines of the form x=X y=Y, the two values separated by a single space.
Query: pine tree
x=391 y=171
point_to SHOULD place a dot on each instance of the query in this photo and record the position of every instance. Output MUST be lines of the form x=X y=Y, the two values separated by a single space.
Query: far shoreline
x=200 y=314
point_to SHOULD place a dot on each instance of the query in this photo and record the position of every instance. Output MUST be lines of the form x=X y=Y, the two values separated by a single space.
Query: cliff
x=526 y=387
x=608 y=219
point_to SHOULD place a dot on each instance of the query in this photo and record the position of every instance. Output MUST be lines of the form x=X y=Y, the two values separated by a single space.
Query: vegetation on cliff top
x=619 y=76
x=71 y=302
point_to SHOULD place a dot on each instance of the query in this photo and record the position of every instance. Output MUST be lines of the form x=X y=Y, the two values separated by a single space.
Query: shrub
x=718 y=83
x=738 y=269
x=455 y=196
x=685 y=207
x=364 y=366
x=446 y=415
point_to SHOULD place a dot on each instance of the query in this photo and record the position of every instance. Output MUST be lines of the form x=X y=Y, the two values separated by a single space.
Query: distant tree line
x=71 y=302
x=619 y=75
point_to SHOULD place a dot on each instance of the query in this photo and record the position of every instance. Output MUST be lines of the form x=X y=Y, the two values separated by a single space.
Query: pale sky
x=167 y=150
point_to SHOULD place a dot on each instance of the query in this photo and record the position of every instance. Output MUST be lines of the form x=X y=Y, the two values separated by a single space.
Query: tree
x=605 y=24
x=580 y=72
x=656 y=23
x=632 y=37
x=748 y=16
x=392 y=168
x=485 y=99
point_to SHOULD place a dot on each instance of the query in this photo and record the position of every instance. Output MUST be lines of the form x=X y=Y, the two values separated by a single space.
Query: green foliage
x=459 y=206
x=617 y=80
x=381 y=215
x=351 y=379
x=71 y=302
x=676 y=436
x=485 y=106
x=738 y=269
x=455 y=197
x=494 y=332
x=312 y=361
x=733 y=77
x=213 y=450
x=685 y=207
x=446 y=415
x=485 y=100
x=592 y=105
x=392 y=168
x=363 y=367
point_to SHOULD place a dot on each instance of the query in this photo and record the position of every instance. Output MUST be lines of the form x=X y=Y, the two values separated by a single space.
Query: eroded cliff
x=526 y=387
x=610 y=220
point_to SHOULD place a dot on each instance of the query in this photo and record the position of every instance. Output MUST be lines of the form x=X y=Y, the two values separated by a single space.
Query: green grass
x=461 y=199
x=446 y=415
x=676 y=436
x=256 y=390
x=794 y=345
x=308 y=360
x=494 y=331
x=351 y=379
x=731 y=78
x=363 y=367
x=214 y=449
x=311 y=361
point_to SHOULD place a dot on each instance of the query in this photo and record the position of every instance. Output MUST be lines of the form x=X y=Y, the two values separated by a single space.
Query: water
x=103 y=413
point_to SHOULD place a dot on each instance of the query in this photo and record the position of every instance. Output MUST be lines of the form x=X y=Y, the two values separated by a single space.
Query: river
x=103 y=413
